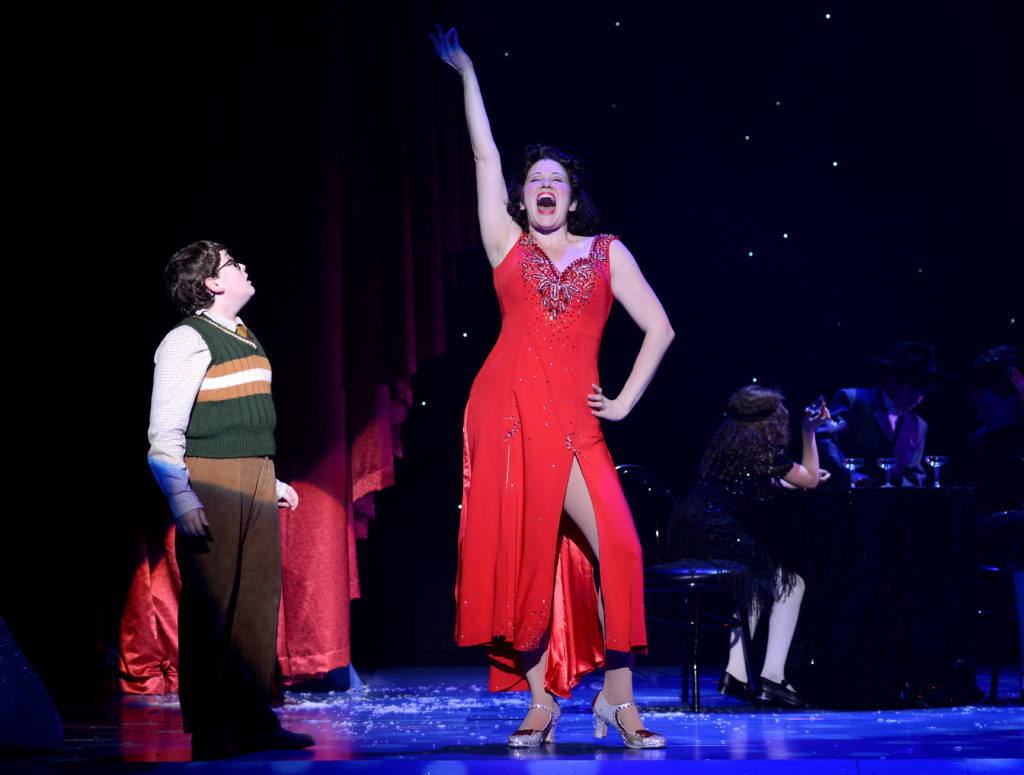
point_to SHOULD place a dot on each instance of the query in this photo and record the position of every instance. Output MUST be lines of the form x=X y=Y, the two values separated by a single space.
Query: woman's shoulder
x=602 y=245
x=778 y=462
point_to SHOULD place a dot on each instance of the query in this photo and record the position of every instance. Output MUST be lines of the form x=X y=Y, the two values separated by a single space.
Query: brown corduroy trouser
x=230 y=594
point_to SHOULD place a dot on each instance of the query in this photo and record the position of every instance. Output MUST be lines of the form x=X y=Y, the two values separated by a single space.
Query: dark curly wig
x=755 y=429
x=991 y=371
x=186 y=273
x=584 y=219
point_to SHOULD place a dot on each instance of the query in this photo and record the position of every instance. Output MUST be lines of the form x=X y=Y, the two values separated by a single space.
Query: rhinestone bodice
x=552 y=323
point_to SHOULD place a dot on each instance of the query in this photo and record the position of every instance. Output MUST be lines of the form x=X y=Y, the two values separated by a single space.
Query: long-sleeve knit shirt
x=182 y=360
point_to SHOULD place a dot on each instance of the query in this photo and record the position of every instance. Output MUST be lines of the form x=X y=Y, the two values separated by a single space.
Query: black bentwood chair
x=1001 y=549
x=652 y=505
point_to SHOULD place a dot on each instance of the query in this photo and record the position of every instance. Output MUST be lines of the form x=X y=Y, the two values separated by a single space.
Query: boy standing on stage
x=211 y=434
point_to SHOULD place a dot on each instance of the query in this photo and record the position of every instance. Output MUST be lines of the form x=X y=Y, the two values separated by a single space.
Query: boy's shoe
x=209 y=746
x=279 y=739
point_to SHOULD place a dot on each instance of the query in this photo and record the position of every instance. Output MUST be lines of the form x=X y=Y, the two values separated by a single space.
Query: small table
x=889 y=573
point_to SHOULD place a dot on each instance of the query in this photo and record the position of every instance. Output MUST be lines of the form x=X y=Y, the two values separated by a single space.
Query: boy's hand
x=193 y=523
x=289 y=498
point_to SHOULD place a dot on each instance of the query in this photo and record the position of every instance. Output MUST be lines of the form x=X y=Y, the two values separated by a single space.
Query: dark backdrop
x=911 y=235
x=801 y=192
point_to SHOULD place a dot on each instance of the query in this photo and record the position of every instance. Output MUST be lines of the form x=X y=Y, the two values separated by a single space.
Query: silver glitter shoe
x=605 y=714
x=532 y=738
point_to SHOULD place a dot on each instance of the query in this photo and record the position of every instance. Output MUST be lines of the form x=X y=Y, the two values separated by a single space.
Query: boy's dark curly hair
x=186 y=273
x=756 y=428
x=584 y=219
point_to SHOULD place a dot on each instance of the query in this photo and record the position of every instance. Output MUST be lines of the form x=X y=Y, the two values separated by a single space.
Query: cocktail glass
x=852 y=464
x=886 y=464
x=936 y=462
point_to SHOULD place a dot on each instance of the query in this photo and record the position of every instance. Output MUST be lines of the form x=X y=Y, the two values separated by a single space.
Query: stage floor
x=440 y=721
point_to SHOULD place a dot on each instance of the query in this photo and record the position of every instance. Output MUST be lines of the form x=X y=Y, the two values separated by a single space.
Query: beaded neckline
x=573 y=286
x=527 y=237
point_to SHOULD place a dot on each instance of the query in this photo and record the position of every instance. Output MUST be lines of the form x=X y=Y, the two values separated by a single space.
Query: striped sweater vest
x=234 y=412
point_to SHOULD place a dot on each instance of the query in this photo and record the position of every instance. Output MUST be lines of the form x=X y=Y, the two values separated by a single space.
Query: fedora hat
x=913 y=361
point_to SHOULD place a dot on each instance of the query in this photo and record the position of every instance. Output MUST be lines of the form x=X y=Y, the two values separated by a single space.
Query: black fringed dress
x=734 y=521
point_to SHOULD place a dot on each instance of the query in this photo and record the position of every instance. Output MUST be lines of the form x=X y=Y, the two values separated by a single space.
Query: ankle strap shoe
x=532 y=738
x=606 y=713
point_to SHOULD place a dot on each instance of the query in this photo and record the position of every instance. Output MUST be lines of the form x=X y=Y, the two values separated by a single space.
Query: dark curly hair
x=186 y=273
x=584 y=219
x=756 y=428
x=990 y=371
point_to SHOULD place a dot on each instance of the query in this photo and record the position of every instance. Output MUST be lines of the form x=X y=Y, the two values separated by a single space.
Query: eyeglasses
x=229 y=262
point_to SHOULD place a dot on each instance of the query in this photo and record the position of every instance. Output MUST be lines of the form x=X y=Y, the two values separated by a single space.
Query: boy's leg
x=209 y=628
x=252 y=647
x=207 y=567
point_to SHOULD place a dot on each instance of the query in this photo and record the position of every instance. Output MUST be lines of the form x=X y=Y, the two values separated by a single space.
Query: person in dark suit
x=995 y=452
x=995 y=457
x=880 y=421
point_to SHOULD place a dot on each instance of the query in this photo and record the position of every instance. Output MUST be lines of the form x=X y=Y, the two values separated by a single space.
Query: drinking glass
x=886 y=464
x=852 y=464
x=936 y=462
x=830 y=425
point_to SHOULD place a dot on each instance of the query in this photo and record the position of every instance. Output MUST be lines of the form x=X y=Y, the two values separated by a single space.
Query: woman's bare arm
x=636 y=296
x=807 y=473
x=497 y=229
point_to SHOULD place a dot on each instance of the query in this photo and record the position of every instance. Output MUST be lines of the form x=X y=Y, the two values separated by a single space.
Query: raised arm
x=497 y=228
x=808 y=473
x=633 y=292
x=830 y=447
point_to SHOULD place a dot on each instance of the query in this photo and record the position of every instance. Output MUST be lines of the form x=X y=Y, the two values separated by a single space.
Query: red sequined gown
x=520 y=566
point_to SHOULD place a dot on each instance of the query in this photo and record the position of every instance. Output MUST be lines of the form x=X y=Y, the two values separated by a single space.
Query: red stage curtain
x=148 y=656
x=317 y=140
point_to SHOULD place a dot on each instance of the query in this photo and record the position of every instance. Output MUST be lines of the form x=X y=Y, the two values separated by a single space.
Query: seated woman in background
x=722 y=519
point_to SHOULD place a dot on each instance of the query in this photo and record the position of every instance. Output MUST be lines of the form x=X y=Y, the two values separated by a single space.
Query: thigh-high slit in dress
x=522 y=569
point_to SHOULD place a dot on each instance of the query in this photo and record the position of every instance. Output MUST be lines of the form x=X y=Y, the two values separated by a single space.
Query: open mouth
x=546 y=204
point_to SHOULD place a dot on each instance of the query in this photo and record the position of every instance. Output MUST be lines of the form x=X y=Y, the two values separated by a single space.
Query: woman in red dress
x=550 y=577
